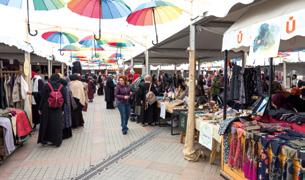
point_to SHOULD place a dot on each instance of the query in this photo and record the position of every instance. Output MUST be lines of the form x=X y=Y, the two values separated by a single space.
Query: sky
x=13 y=25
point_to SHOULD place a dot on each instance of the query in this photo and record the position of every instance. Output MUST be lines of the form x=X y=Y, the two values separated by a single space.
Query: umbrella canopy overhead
x=39 y=5
x=91 y=8
x=162 y=11
x=153 y=13
x=89 y=41
x=116 y=56
x=100 y=9
x=60 y=37
x=70 y=47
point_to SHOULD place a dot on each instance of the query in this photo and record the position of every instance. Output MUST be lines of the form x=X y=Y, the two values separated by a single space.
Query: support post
x=285 y=74
x=27 y=70
x=225 y=85
x=146 y=62
x=62 y=68
x=49 y=69
x=189 y=150
x=270 y=78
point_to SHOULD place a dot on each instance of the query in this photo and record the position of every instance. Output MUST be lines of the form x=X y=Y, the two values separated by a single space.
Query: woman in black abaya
x=109 y=92
x=52 y=120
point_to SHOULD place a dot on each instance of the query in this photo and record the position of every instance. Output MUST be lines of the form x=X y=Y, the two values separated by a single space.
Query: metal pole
x=146 y=62
x=63 y=69
x=270 y=78
x=285 y=74
x=225 y=85
x=49 y=68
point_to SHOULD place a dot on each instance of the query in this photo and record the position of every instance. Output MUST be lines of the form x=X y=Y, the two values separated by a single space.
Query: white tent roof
x=209 y=34
x=276 y=11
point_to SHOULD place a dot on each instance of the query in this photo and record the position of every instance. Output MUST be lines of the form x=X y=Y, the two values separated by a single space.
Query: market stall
x=265 y=143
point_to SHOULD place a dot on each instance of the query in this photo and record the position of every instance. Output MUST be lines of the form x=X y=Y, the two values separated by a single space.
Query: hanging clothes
x=16 y=93
x=5 y=123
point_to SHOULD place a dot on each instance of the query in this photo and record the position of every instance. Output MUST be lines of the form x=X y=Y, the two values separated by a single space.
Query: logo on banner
x=290 y=25
x=240 y=37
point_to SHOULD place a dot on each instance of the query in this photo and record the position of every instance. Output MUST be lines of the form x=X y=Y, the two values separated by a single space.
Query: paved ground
x=100 y=138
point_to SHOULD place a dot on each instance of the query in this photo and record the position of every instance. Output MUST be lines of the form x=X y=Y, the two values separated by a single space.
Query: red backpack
x=55 y=99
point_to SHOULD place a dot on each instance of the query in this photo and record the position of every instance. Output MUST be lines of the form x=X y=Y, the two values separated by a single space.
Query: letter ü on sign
x=290 y=25
x=240 y=37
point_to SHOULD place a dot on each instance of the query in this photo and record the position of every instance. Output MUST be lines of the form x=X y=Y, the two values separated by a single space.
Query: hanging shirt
x=5 y=123
x=35 y=82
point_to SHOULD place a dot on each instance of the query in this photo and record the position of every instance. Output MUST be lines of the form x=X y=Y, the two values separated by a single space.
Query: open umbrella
x=59 y=38
x=116 y=56
x=91 y=42
x=39 y=5
x=101 y=9
x=71 y=48
x=111 y=61
x=153 y=13
x=119 y=44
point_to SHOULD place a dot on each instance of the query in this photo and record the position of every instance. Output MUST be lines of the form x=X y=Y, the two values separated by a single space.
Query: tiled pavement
x=100 y=138
x=159 y=159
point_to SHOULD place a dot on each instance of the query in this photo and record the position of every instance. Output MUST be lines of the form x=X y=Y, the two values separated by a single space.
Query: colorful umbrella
x=59 y=37
x=153 y=13
x=111 y=61
x=71 y=48
x=90 y=41
x=101 y=9
x=39 y=5
x=116 y=56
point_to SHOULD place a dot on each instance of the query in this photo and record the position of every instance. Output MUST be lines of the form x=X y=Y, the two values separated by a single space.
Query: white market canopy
x=209 y=34
x=13 y=23
x=267 y=28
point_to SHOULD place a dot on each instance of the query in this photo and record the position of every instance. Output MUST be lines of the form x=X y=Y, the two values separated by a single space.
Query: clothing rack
x=10 y=72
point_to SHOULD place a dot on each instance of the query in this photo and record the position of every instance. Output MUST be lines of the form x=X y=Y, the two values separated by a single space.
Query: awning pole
x=62 y=68
x=225 y=85
x=270 y=78
x=147 y=61
x=285 y=74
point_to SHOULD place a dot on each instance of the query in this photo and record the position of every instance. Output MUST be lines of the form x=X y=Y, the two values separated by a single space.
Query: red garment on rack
x=23 y=125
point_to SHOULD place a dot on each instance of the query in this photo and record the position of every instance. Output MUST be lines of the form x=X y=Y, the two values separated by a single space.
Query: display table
x=212 y=140
x=169 y=110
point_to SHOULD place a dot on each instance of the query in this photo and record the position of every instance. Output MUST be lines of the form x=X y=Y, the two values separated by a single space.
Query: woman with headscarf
x=79 y=96
x=109 y=92
x=91 y=89
x=279 y=101
x=100 y=81
x=151 y=110
x=51 y=125
x=295 y=99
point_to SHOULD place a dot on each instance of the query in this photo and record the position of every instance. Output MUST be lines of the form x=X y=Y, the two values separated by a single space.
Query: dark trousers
x=109 y=105
x=124 y=109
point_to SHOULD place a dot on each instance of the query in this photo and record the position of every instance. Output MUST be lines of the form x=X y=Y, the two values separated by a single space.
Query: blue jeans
x=124 y=109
